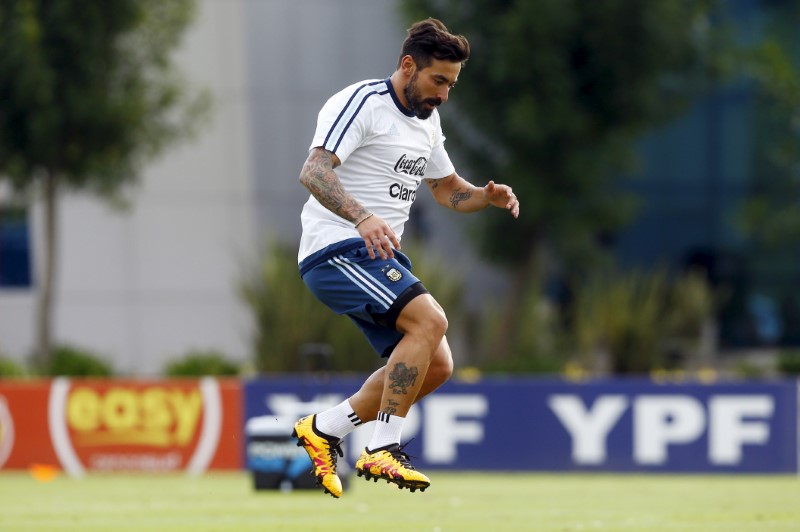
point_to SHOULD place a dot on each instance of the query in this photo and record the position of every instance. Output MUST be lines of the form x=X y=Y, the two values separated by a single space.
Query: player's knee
x=440 y=370
x=425 y=317
x=437 y=322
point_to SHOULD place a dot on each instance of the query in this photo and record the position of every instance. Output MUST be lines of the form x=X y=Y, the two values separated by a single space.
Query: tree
x=552 y=101
x=770 y=214
x=89 y=93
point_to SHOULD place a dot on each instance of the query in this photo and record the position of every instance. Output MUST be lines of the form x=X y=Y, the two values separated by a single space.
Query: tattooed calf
x=392 y=407
x=401 y=377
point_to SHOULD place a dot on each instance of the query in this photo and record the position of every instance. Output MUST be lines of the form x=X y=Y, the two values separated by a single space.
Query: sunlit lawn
x=454 y=502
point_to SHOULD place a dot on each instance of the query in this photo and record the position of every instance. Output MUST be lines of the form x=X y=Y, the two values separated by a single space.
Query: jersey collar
x=402 y=108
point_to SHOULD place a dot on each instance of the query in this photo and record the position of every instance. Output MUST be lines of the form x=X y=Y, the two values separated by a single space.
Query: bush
x=789 y=363
x=289 y=320
x=287 y=316
x=10 y=368
x=639 y=318
x=75 y=362
x=539 y=346
x=202 y=363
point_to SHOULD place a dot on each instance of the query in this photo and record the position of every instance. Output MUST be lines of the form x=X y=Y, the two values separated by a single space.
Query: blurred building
x=149 y=284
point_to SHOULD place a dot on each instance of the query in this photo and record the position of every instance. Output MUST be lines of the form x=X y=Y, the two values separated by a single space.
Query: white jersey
x=385 y=153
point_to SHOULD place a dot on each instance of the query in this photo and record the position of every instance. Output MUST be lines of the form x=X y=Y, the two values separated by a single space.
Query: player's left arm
x=458 y=194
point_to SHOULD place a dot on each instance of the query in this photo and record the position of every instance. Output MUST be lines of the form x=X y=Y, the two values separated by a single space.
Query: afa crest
x=394 y=274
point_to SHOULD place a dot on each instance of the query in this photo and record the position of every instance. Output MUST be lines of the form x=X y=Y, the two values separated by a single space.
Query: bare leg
x=419 y=364
x=366 y=401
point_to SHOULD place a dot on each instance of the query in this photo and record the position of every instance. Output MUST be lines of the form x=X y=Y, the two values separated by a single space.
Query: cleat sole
x=410 y=485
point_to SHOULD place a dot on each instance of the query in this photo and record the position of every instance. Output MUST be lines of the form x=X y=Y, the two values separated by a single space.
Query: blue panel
x=552 y=425
x=15 y=264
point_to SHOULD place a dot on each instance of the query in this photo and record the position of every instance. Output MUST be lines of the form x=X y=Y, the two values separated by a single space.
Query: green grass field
x=455 y=502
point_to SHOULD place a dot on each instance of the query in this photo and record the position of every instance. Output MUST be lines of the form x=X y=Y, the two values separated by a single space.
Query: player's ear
x=408 y=66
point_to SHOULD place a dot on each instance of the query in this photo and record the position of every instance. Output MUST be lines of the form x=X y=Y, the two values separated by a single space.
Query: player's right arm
x=319 y=178
x=322 y=182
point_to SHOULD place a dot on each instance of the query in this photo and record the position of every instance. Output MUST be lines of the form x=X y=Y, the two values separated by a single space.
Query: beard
x=416 y=103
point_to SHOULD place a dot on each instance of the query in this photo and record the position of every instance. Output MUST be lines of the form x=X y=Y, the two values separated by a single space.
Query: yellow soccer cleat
x=391 y=463
x=323 y=451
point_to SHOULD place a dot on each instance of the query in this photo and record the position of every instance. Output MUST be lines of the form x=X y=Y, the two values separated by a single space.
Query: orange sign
x=153 y=416
x=111 y=425
x=24 y=439
x=6 y=431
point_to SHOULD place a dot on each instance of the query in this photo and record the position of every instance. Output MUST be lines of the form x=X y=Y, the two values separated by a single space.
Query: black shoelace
x=401 y=456
x=337 y=448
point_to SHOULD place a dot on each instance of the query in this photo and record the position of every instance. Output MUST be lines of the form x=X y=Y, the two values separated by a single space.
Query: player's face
x=430 y=87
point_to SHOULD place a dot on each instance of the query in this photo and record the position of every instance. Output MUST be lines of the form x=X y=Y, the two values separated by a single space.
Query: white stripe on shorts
x=367 y=276
x=364 y=281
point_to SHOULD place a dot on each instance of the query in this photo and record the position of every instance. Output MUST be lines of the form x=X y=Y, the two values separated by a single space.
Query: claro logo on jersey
x=402 y=192
x=414 y=167
x=135 y=426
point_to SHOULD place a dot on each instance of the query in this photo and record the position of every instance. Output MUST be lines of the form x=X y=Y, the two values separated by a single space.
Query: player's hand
x=502 y=196
x=379 y=237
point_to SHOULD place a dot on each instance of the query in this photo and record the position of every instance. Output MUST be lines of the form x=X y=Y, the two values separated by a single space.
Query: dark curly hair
x=429 y=39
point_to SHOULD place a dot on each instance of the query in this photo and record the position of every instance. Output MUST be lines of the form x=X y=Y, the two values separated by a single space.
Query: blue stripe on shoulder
x=346 y=107
x=354 y=116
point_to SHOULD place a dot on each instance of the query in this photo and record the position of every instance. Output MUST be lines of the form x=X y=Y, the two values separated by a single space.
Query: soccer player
x=375 y=142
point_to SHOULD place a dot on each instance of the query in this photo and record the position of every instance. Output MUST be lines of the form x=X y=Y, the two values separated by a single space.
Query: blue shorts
x=372 y=292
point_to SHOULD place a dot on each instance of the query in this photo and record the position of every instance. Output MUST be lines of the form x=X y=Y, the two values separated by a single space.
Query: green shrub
x=288 y=318
x=201 y=363
x=747 y=370
x=789 y=363
x=532 y=364
x=10 y=368
x=639 y=317
x=539 y=347
x=76 y=362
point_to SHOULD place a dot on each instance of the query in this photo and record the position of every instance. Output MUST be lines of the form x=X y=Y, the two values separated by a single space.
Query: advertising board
x=552 y=425
x=84 y=425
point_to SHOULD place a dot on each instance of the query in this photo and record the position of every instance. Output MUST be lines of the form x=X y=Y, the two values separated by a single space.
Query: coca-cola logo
x=411 y=166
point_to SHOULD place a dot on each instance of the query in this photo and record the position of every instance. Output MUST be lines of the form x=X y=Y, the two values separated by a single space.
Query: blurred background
x=149 y=194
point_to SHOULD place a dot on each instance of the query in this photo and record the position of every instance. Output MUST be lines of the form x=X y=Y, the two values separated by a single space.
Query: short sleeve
x=439 y=164
x=343 y=122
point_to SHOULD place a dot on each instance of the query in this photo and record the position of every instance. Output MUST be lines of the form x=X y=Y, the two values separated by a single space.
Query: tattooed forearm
x=320 y=179
x=401 y=378
x=458 y=196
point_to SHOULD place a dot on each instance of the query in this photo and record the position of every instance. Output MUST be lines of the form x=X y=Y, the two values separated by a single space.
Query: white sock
x=387 y=431
x=338 y=421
